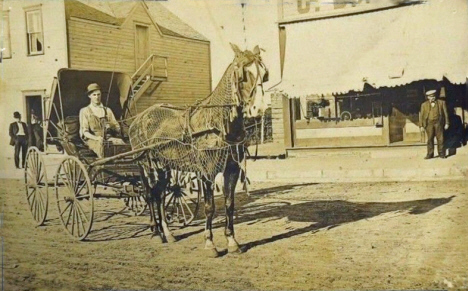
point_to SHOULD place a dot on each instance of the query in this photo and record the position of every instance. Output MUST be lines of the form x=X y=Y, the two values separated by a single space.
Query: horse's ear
x=256 y=50
x=236 y=49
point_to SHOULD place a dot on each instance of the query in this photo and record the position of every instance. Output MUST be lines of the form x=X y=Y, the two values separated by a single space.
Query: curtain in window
x=34 y=28
x=5 y=44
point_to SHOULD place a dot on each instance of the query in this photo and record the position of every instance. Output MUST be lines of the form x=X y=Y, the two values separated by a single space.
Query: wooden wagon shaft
x=198 y=106
x=126 y=154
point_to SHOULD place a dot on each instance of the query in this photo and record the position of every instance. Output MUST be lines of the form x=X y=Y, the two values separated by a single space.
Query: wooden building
x=354 y=73
x=168 y=61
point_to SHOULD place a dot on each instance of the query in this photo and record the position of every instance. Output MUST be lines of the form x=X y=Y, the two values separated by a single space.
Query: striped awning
x=384 y=49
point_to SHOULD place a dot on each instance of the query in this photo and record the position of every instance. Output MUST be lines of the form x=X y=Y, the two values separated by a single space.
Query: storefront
x=355 y=75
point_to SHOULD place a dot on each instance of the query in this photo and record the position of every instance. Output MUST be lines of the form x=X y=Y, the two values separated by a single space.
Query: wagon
x=70 y=172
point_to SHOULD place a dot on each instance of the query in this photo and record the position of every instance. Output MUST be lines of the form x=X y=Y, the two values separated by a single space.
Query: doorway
x=141 y=44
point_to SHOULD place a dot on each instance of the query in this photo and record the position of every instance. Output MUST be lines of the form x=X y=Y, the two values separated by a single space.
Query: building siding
x=21 y=73
x=189 y=75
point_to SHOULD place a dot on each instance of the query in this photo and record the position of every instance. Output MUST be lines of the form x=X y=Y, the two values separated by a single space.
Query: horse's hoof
x=211 y=253
x=234 y=250
x=157 y=238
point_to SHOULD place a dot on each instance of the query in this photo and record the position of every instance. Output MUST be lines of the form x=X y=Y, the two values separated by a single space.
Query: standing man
x=36 y=131
x=19 y=138
x=434 y=119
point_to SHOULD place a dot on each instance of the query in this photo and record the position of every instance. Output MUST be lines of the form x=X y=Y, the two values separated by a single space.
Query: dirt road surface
x=366 y=236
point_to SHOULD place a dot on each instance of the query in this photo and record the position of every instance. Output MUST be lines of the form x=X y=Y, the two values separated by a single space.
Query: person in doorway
x=433 y=118
x=19 y=139
x=35 y=131
x=98 y=123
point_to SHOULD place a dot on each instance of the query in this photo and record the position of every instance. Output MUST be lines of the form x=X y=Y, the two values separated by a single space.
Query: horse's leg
x=159 y=191
x=231 y=175
x=150 y=197
x=162 y=216
x=154 y=226
x=209 y=213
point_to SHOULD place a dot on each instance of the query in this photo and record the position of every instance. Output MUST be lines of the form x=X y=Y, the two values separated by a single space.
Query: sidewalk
x=325 y=165
x=404 y=163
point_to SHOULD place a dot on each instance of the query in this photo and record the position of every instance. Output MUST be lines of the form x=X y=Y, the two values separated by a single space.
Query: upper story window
x=35 y=34
x=5 y=42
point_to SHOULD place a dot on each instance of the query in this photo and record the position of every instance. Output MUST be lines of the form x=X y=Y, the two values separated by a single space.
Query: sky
x=221 y=22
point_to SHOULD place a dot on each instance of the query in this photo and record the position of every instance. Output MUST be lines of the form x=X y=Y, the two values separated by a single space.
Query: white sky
x=221 y=22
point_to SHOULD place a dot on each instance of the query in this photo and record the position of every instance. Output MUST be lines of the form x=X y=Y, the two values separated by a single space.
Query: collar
x=96 y=106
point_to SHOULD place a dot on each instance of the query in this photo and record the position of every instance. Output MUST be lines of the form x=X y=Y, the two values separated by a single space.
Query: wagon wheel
x=74 y=193
x=136 y=204
x=182 y=198
x=346 y=115
x=35 y=180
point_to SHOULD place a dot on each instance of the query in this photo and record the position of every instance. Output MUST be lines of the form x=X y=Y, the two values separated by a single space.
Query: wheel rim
x=182 y=197
x=74 y=194
x=37 y=189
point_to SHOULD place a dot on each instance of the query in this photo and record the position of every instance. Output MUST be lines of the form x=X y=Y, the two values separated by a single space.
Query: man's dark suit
x=434 y=128
x=19 y=141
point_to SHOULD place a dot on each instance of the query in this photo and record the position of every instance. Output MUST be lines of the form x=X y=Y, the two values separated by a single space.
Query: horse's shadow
x=325 y=215
x=321 y=214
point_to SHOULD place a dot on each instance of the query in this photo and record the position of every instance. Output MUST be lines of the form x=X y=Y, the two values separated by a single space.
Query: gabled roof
x=115 y=12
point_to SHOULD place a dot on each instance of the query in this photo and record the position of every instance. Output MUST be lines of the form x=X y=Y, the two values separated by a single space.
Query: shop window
x=35 y=35
x=360 y=109
x=5 y=37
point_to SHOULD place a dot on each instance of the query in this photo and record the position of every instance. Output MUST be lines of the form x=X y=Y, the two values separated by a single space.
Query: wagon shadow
x=325 y=215
x=122 y=231
x=119 y=232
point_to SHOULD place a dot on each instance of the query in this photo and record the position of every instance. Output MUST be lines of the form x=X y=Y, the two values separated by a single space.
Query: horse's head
x=250 y=73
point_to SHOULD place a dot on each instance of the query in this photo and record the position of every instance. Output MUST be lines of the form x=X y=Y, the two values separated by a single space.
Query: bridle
x=240 y=79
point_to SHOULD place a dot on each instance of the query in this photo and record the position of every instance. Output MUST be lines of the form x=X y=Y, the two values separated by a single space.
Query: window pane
x=34 y=21
x=34 y=31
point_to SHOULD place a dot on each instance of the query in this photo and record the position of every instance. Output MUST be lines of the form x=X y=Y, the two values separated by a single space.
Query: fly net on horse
x=191 y=139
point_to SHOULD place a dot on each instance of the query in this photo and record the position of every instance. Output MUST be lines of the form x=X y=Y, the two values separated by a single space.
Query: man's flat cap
x=93 y=87
x=431 y=93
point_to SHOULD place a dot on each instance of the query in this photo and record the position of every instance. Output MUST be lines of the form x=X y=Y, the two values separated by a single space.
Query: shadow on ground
x=322 y=215
x=327 y=214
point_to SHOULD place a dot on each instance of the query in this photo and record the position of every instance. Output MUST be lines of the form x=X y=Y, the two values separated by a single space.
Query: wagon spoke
x=32 y=192
x=77 y=191
x=39 y=171
x=79 y=222
x=73 y=220
x=65 y=209
x=80 y=209
x=69 y=214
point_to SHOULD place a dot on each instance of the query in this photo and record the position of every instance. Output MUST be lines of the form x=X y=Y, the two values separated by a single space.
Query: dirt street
x=296 y=237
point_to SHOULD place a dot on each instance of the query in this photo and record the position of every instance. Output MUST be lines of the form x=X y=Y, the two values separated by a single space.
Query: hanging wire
x=244 y=5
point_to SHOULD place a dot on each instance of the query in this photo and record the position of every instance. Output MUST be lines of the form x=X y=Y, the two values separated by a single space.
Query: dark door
x=397 y=122
x=34 y=106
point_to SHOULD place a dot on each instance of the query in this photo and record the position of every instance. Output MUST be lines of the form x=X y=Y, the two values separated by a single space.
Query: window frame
x=6 y=15
x=28 y=10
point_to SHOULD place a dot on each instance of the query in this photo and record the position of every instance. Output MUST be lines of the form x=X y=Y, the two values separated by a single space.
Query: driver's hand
x=116 y=141
x=446 y=126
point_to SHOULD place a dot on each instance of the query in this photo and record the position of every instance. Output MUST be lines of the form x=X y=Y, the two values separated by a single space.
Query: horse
x=207 y=138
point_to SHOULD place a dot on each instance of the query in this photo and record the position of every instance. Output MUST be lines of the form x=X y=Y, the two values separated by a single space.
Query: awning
x=385 y=49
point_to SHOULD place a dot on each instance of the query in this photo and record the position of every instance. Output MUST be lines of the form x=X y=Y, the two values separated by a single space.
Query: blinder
x=266 y=76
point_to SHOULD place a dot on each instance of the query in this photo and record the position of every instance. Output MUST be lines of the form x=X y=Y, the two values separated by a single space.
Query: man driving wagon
x=97 y=123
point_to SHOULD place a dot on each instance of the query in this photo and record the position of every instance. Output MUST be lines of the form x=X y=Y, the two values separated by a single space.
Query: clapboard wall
x=99 y=46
